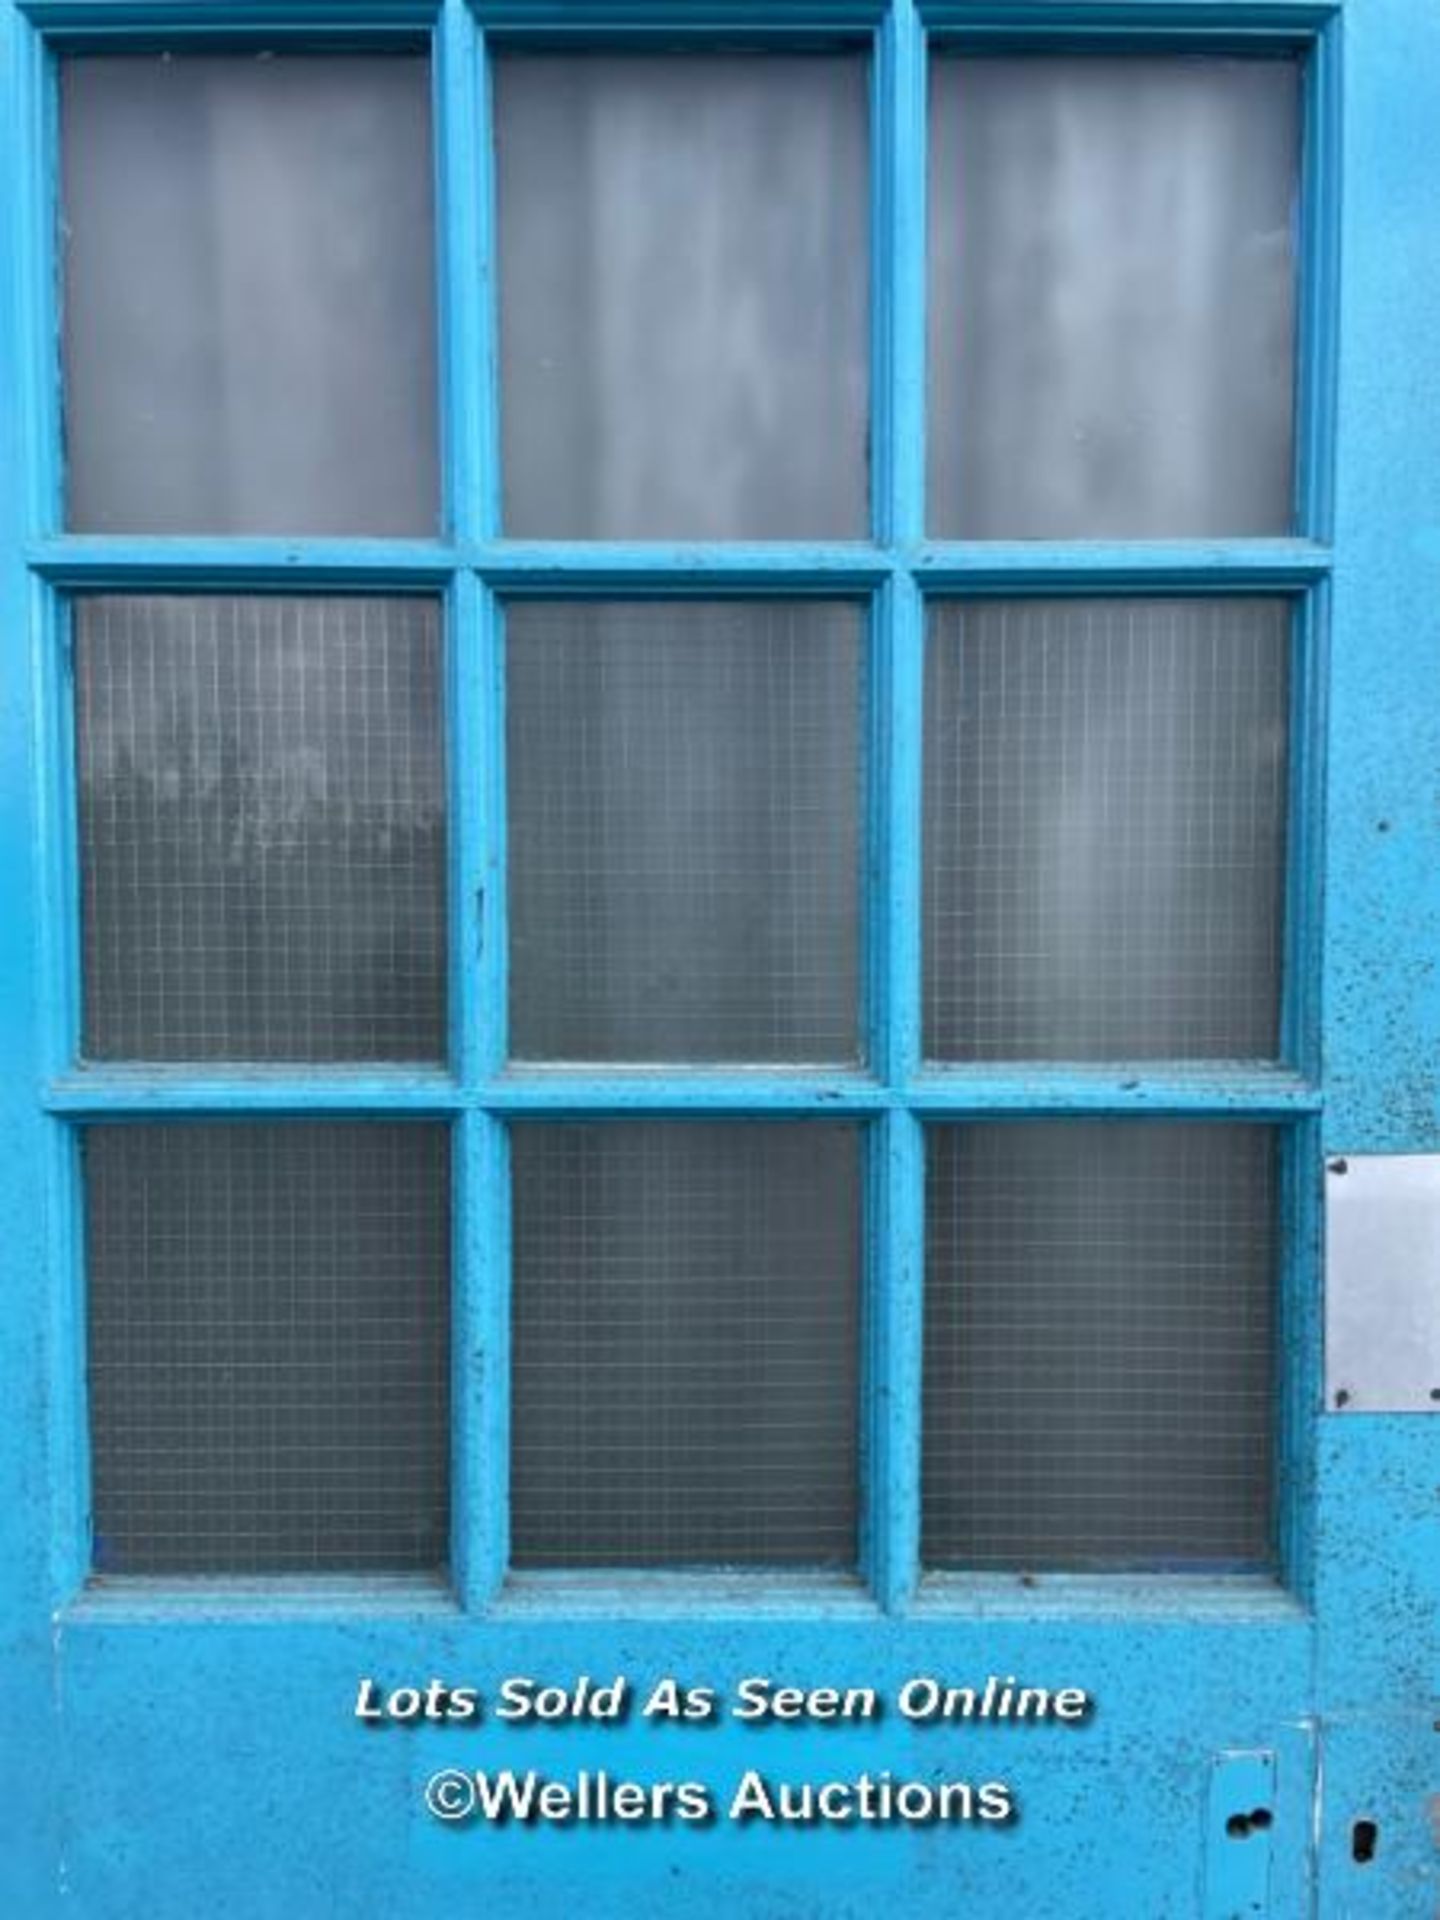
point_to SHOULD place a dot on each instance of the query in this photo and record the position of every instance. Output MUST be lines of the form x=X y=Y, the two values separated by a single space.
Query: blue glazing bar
x=1319 y=250
x=57 y=832
x=70 y=1540
x=68 y=21
x=469 y=865
x=488 y=957
x=898 y=278
x=1300 y=1031
x=463 y=356
x=276 y=566
x=750 y=1594
x=895 y=899
x=1063 y=22
x=557 y=1090
x=894 y=1360
x=1298 y=1353
x=1239 y=1598
x=484 y=269
x=1152 y=1086
x=118 y=1092
x=480 y=1338
x=1004 y=566
x=611 y=20
x=583 y=566
x=166 y=1599
x=35 y=393
x=588 y=567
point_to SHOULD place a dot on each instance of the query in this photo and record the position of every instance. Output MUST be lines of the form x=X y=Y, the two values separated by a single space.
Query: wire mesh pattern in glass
x=249 y=314
x=1105 y=808
x=1112 y=296
x=1099 y=1305
x=685 y=830
x=262 y=828
x=685 y=1344
x=684 y=295
x=269 y=1346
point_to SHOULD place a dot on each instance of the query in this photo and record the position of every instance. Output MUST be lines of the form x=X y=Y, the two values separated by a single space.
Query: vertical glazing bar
x=480 y=1408
x=1300 y=1037
x=1318 y=287
x=898 y=278
x=465 y=747
x=896 y=1216
x=897 y=898
x=891 y=1538
x=480 y=1370
x=486 y=778
x=57 y=1032
x=35 y=393
x=461 y=218
x=1298 y=1342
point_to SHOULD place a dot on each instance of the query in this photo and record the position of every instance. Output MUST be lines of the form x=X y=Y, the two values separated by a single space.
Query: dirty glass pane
x=684 y=285
x=1099 y=1345
x=685 y=830
x=262 y=827
x=686 y=1344
x=1105 y=788
x=249 y=309
x=268 y=1346
x=1112 y=296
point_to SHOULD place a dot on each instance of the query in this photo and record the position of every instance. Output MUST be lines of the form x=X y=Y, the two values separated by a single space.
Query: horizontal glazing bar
x=580 y=566
x=1286 y=21
x=281 y=565
x=630 y=18
x=117 y=1091
x=547 y=1091
x=556 y=567
x=1229 y=1599
x=67 y=21
x=758 y=1594
x=142 y=1598
x=1155 y=1086
x=1011 y=566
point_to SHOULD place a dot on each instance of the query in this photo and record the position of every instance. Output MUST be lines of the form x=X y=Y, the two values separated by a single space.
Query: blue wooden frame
x=476 y=571
x=1252 y=1658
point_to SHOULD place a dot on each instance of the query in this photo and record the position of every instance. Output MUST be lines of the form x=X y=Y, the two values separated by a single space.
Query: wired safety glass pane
x=269 y=1346
x=685 y=830
x=262 y=828
x=1105 y=815
x=685 y=1344
x=684 y=295
x=249 y=305
x=1099 y=1345
x=1112 y=304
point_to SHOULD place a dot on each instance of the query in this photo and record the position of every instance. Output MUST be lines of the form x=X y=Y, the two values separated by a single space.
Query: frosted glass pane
x=262 y=827
x=249 y=294
x=1105 y=811
x=685 y=1330
x=684 y=285
x=685 y=830
x=268 y=1345
x=1112 y=297
x=1099 y=1345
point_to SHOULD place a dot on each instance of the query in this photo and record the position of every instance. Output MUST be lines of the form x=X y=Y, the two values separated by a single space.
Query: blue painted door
x=678 y=977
